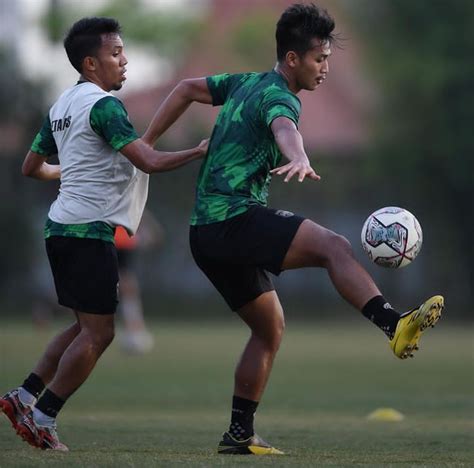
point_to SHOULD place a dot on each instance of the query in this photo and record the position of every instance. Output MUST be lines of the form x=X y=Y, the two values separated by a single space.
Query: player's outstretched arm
x=290 y=143
x=186 y=92
x=143 y=156
x=35 y=166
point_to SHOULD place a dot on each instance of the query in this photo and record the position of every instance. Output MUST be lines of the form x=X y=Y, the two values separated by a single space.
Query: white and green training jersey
x=87 y=127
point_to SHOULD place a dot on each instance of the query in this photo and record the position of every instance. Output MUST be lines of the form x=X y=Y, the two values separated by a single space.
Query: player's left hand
x=204 y=146
x=302 y=168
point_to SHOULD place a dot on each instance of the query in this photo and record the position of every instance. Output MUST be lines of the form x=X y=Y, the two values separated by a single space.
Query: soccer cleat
x=412 y=324
x=254 y=445
x=13 y=408
x=43 y=437
x=137 y=342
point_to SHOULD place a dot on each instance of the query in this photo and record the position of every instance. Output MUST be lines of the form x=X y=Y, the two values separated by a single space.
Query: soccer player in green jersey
x=104 y=169
x=236 y=240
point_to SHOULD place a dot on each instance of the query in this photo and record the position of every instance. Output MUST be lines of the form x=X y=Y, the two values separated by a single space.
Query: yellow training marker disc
x=385 y=414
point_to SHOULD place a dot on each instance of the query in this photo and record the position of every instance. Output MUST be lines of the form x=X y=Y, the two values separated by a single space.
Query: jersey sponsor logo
x=59 y=125
x=284 y=214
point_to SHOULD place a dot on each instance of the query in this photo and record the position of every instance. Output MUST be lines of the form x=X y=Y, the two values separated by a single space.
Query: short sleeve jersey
x=80 y=210
x=242 y=149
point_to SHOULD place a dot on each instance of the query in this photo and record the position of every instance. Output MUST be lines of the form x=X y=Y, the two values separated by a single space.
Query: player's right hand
x=301 y=168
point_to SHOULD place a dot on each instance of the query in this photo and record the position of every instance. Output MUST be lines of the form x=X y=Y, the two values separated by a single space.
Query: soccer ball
x=392 y=237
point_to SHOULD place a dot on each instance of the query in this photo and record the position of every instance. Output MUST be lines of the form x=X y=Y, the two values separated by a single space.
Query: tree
x=422 y=56
x=168 y=32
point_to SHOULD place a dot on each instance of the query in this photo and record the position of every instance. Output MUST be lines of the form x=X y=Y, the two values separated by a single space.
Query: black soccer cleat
x=254 y=445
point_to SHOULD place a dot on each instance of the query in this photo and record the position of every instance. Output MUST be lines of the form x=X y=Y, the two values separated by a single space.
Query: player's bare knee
x=273 y=336
x=339 y=247
x=108 y=336
x=280 y=330
x=100 y=339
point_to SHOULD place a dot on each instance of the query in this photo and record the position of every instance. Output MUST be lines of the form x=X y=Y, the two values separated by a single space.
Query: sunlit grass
x=168 y=408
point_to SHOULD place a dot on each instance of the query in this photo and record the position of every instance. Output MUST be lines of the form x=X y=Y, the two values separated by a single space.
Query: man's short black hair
x=84 y=38
x=298 y=25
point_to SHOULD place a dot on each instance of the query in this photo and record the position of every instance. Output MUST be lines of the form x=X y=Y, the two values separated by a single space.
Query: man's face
x=110 y=62
x=312 y=68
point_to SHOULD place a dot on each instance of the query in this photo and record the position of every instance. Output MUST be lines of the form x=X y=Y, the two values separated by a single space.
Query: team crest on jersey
x=284 y=214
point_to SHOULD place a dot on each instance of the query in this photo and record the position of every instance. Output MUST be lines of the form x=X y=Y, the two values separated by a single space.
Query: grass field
x=169 y=407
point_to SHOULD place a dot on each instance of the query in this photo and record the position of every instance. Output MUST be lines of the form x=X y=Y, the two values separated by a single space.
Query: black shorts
x=85 y=273
x=126 y=258
x=237 y=253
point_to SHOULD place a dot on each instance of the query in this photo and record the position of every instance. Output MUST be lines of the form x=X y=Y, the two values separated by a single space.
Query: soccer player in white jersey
x=103 y=169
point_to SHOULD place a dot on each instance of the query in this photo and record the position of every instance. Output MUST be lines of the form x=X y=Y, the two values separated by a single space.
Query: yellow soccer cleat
x=254 y=445
x=412 y=324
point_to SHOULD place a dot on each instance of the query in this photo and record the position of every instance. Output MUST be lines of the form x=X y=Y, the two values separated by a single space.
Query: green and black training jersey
x=242 y=150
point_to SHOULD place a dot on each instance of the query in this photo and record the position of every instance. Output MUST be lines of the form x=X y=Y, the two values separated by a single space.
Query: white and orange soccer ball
x=392 y=237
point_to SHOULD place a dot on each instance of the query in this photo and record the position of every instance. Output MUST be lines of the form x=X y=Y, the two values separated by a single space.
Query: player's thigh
x=237 y=284
x=85 y=273
x=260 y=237
x=313 y=246
x=100 y=325
x=266 y=237
x=237 y=281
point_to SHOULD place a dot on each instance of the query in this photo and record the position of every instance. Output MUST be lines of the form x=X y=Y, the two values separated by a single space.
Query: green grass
x=168 y=408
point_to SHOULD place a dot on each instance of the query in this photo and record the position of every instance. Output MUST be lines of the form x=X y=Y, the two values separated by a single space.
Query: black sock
x=33 y=384
x=50 y=404
x=243 y=411
x=380 y=312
